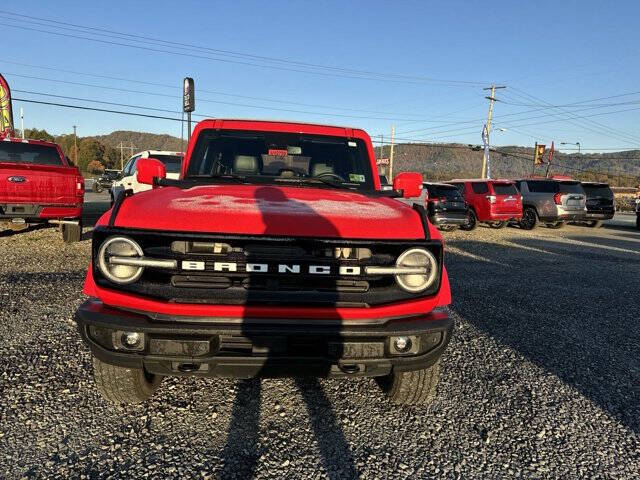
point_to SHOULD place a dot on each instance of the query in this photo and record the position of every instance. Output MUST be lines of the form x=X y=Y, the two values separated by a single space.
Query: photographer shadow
x=242 y=453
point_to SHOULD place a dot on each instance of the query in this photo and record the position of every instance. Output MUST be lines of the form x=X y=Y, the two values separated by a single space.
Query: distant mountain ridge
x=142 y=140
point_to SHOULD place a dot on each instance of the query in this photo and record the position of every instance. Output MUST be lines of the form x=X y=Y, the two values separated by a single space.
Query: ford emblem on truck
x=17 y=179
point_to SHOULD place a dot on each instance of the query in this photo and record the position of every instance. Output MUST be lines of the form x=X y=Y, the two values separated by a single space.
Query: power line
x=333 y=71
x=201 y=90
x=226 y=52
x=204 y=100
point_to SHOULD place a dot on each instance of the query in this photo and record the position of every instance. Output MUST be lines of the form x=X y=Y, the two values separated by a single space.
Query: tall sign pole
x=6 y=110
x=188 y=101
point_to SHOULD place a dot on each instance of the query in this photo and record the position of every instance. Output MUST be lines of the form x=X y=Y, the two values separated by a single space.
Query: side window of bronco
x=479 y=187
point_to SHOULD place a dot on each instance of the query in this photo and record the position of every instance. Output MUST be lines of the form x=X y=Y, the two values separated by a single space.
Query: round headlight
x=119 y=247
x=417 y=282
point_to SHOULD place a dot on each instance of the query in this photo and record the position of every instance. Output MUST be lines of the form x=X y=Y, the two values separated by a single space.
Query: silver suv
x=552 y=202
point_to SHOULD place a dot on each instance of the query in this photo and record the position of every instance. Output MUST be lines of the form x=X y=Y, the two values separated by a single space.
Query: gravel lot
x=541 y=380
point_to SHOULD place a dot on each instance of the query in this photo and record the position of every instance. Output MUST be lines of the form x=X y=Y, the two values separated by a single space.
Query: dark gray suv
x=552 y=202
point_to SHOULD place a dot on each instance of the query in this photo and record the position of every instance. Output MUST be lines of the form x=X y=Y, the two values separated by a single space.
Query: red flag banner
x=6 y=113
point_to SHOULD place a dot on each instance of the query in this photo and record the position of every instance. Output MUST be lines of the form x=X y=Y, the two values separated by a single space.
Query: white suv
x=128 y=179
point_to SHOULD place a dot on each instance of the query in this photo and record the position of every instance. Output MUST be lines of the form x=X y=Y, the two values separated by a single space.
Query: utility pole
x=75 y=146
x=393 y=131
x=122 y=147
x=22 y=121
x=491 y=99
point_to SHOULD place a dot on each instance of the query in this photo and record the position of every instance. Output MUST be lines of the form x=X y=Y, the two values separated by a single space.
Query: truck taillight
x=491 y=198
x=558 y=198
x=80 y=184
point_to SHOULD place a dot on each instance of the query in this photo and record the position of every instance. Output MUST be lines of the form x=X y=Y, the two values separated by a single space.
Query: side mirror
x=409 y=183
x=148 y=169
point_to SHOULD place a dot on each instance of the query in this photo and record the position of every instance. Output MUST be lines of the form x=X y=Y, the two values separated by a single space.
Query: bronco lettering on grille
x=266 y=268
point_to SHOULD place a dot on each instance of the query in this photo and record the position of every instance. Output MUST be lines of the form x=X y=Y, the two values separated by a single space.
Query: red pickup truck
x=276 y=252
x=37 y=185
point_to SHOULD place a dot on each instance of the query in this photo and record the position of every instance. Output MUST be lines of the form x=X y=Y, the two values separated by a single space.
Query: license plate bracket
x=356 y=349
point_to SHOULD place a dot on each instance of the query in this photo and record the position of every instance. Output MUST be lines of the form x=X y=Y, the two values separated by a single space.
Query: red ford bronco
x=38 y=185
x=275 y=253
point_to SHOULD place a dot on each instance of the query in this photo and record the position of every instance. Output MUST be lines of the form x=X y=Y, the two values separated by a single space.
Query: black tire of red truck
x=124 y=385
x=411 y=388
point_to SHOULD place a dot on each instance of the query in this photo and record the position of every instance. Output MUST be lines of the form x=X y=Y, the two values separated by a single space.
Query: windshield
x=598 y=191
x=505 y=189
x=440 y=191
x=571 y=187
x=172 y=163
x=276 y=157
x=29 y=153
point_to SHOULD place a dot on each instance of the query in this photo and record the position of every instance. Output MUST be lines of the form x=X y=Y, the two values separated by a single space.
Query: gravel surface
x=541 y=380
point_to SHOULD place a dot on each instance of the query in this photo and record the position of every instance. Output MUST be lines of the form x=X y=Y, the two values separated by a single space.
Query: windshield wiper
x=331 y=183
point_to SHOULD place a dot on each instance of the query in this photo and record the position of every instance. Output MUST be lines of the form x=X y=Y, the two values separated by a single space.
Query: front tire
x=529 y=219
x=124 y=385
x=71 y=232
x=472 y=222
x=411 y=388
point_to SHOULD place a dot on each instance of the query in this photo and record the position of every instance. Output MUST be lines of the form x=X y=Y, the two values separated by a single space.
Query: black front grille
x=215 y=282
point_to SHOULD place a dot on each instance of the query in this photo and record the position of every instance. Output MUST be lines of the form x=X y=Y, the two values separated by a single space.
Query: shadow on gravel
x=30 y=228
x=610 y=241
x=336 y=455
x=242 y=452
x=567 y=314
x=240 y=455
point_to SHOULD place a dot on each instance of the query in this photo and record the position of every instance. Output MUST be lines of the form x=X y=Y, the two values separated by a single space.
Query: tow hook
x=349 y=368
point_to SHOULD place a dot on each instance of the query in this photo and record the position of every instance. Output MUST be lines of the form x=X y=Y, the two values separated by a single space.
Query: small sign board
x=188 y=95
x=382 y=161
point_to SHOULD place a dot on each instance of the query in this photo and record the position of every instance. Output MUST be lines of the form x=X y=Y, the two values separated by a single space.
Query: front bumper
x=600 y=215
x=262 y=347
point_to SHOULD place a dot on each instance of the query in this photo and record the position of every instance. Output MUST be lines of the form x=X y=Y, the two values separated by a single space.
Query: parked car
x=384 y=183
x=105 y=181
x=552 y=202
x=445 y=205
x=495 y=202
x=277 y=253
x=600 y=204
x=39 y=185
x=128 y=179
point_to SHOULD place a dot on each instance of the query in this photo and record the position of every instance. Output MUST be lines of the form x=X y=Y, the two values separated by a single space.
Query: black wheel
x=124 y=385
x=555 y=225
x=529 y=219
x=72 y=232
x=595 y=223
x=472 y=221
x=497 y=224
x=411 y=388
x=97 y=187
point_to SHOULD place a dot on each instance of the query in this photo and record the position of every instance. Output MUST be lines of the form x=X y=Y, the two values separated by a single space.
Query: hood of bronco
x=270 y=210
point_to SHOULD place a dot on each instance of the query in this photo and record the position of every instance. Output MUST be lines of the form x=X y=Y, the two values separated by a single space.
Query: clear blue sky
x=559 y=52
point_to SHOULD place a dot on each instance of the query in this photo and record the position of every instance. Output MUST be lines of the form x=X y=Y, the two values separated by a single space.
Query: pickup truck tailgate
x=41 y=184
